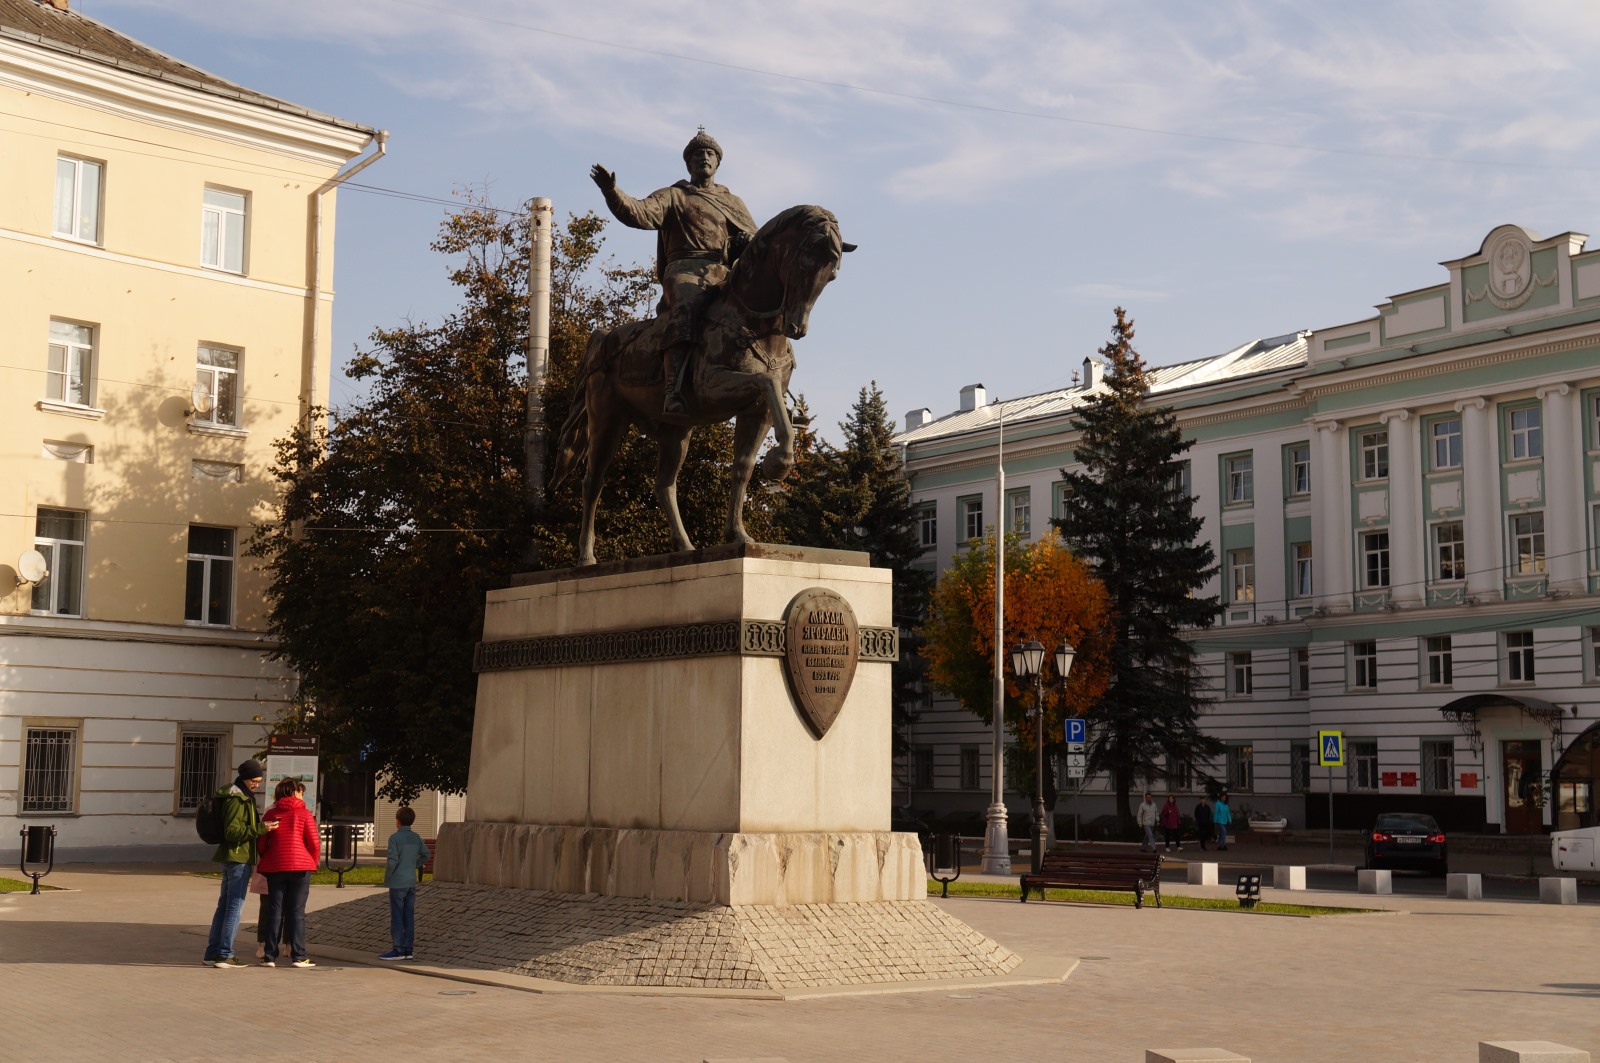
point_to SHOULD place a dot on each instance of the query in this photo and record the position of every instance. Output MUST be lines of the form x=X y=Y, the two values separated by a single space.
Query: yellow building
x=166 y=238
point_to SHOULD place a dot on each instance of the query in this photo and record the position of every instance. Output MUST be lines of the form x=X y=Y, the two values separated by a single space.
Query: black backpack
x=208 y=819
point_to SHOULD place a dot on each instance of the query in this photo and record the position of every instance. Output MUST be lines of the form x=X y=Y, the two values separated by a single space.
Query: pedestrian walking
x=1222 y=816
x=287 y=861
x=1146 y=818
x=1202 y=821
x=407 y=853
x=1171 y=820
x=242 y=828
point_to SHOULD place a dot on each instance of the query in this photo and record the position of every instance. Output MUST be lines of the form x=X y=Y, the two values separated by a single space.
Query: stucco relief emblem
x=820 y=658
x=1511 y=277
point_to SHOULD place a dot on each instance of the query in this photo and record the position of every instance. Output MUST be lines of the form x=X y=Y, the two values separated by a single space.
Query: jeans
x=1149 y=838
x=286 y=911
x=1222 y=835
x=403 y=920
x=230 y=905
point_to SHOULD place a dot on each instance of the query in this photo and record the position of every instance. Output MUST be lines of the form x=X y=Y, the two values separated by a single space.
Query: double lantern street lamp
x=1027 y=663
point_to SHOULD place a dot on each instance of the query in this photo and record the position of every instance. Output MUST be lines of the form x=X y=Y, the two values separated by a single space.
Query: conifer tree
x=1129 y=518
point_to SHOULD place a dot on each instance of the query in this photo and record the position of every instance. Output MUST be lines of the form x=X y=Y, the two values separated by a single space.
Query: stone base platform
x=702 y=867
x=617 y=941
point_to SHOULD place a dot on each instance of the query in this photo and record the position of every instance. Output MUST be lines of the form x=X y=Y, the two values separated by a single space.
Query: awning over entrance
x=1467 y=711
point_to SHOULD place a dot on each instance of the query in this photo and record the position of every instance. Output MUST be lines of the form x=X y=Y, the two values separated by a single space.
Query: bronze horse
x=741 y=371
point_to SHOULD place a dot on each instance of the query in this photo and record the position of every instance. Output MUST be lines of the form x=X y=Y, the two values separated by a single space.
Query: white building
x=1406 y=511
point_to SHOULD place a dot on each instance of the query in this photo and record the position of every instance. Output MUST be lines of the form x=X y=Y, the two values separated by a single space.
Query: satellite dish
x=201 y=400
x=31 y=567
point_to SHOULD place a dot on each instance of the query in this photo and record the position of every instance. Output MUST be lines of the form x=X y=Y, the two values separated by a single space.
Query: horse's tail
x=573 y=443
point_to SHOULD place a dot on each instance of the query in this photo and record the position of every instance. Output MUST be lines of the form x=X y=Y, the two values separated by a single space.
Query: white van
x=1576 y=850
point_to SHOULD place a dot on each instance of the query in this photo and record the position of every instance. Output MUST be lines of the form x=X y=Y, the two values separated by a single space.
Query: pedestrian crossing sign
x=1330 y=749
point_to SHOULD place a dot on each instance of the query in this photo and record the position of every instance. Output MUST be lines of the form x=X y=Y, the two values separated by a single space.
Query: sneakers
x=303 y=962
x=228 y=963
x=269 y=963
x=411 y=955
x=392 y=954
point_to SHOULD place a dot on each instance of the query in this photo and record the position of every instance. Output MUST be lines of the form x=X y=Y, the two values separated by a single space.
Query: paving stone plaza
x=109 y=971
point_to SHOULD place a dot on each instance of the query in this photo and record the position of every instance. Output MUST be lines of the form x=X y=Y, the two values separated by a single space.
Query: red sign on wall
x=1408 y=778
x=1390 y=778
x=1469 y=780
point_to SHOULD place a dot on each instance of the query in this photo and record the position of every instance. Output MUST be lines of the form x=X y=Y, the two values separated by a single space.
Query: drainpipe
x=381 y=140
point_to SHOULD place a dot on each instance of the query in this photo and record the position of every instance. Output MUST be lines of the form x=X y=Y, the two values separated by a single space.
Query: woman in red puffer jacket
x=287 y=862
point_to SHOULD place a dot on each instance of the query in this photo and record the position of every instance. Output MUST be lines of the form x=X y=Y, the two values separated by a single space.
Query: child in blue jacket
x=407 y=854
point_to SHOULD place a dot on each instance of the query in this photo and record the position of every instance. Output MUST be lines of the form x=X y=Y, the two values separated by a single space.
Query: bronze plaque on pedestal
x=821 y=651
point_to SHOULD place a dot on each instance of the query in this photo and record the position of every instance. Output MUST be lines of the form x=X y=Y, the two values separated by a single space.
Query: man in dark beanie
x=237 y=853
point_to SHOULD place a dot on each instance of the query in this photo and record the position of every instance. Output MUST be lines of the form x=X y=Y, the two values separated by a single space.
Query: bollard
x=944 y=857
x=1202 y=874
x=1192 y=1055
x=1286 y=877
x=38 y=847
x=1529 y=1052
x=1369 y=881
x=1558 y=890
x=341 y=847
x=1464 y=887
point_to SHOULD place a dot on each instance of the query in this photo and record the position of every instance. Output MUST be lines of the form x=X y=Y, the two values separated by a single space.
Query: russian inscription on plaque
x=821 y=654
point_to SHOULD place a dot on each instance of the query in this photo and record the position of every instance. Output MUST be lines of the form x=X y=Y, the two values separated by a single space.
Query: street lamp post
x=1063 y=655
x=1027 y=663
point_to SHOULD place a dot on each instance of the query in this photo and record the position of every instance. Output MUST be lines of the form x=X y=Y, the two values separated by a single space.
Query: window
x=1519 y=657
x=1020 y=505
x=1527 y=543
x=1300 y=766
x=1300 y=469
x=1438 y=765
x=1183 y=480
x=78 y=183
x=1301 y=557
x=1300 y=670
x=1441 y=660
x=922 y=766
x=59 y=536
x=1375 y=558
x=1364 y=664
x=1449 y=551
x=1446 y=436
x=928 y=525
x=208 y=593
x=222 y=231
x=1594 y=653
x=49 y=769
x=1240 y=470
x=1526 y=436
x=969 y=767
x=67 y=375
x=1062 y=493
x=1241 y=675
x=201 y=768
x=1241 y=767
x=1180 y=776
x=1375 y=455
x=1242 y=574
x=216 y=382
x=971 y=518
x=1362 y=769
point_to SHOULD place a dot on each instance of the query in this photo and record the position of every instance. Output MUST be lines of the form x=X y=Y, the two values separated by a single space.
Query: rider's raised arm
x=647 y=213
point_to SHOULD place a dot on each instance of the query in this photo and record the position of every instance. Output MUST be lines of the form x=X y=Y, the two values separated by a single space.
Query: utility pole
x=535 y=432
x=997 y=838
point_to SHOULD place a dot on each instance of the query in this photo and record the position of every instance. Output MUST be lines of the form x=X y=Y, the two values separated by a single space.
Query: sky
x=1011 y=171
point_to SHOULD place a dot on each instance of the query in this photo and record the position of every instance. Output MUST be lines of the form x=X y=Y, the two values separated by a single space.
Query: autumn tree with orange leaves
x=1051 y=597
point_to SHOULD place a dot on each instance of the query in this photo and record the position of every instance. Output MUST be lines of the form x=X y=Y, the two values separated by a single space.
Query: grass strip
x=1220 y=904
x=11 y=885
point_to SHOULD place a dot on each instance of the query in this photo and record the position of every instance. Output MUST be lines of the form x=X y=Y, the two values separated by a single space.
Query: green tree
x=1131 y=520
x=405 y=509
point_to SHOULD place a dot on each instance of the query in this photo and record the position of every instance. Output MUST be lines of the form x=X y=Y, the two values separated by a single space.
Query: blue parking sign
x=1077 y=730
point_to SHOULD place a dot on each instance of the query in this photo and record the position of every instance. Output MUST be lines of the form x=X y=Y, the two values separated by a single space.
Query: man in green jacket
x=237 y=853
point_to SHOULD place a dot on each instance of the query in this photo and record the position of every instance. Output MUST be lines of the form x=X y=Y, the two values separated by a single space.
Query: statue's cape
x=729 y=205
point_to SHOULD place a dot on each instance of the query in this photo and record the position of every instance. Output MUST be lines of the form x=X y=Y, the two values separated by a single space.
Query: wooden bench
x=1137 y=873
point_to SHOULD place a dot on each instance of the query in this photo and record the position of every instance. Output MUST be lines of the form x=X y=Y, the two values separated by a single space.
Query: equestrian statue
x=733 y=296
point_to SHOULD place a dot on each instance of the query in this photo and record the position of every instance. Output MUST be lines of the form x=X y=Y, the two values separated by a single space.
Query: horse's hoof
x=774 y=466
x=584 y=562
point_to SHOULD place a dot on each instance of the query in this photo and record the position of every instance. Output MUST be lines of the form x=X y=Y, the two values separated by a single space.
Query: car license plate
x=1403 y=840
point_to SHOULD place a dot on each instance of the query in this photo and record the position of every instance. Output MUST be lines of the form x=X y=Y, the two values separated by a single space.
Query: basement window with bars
x=200 y=767
x=50 y=769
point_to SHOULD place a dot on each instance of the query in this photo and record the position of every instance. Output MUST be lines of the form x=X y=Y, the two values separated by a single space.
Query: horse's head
x=789 y=262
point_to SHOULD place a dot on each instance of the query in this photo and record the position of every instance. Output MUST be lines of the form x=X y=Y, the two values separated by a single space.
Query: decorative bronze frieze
x=721 y=638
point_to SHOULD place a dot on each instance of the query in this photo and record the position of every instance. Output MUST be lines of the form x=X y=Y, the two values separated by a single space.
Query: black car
x=1407 y=840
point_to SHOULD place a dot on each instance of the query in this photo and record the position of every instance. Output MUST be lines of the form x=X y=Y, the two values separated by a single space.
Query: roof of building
x=42 y=24
x=1251 y=359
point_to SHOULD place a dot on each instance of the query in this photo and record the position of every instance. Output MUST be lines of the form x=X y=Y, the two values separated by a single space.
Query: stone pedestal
x=637 y=735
